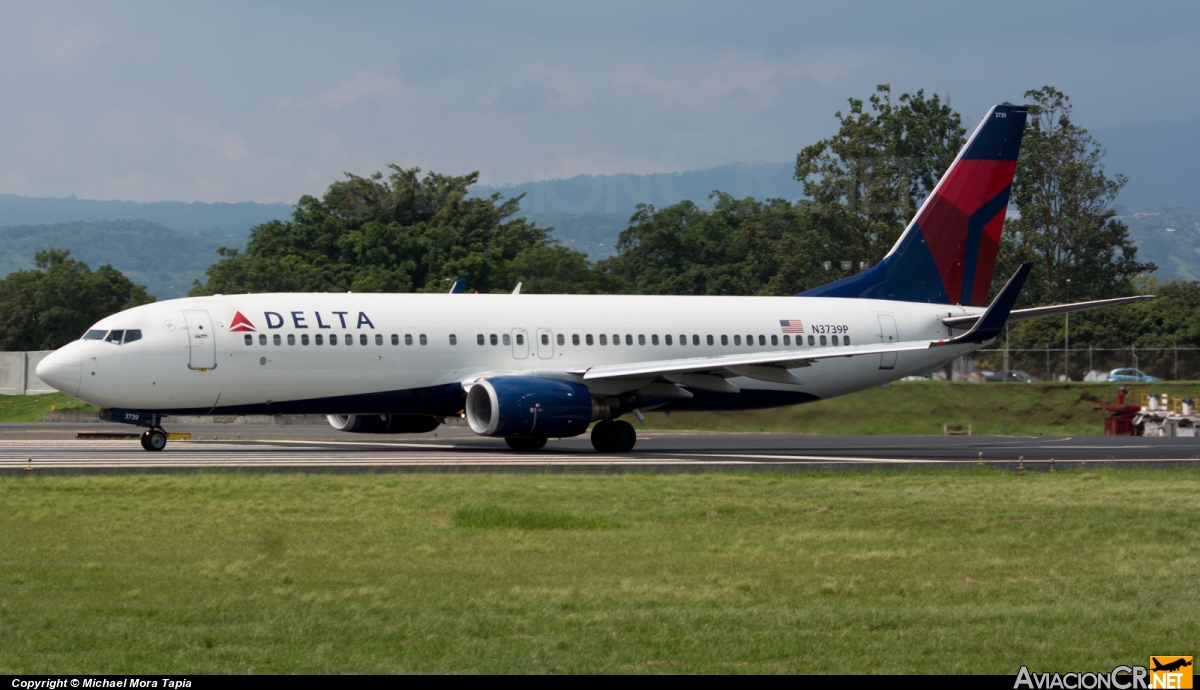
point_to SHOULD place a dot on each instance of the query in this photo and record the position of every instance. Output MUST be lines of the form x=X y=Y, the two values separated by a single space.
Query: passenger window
x=750 y=341
x=762 y=340
x=422 y=338
x=562 y=341
x=835 y=339
x=94 y=335
x=304 y=339
x=641 y=340
x=822 y=340
x=319 y=339
x=710 y=340
x=275 y=339
x=379 y=338
x=520 y=338
x=291 y=338
x=845 y=340
x=494 y=339
x=480 y=339
x=737 y=340
x=603 y=339
x=249 y=339
x=724 y=340
x=588 y=339
x=262 y=338
x=453 y=339
x=349 y=338
x=333 y=338
x=132 y=335
x=810 y=340
x=695 y=340
x=667 y=339
x=507 y=341
x=654 y=340
x=408 y=339
x=545 y=339
x=774 y=340
x=616 y=339
x=114 y=337
x=683 y=340
x=575 y=339
x=395 y=339
x=787 y=340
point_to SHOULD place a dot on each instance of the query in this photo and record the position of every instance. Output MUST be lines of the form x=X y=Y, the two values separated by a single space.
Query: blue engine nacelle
x=383 y=423
x=531 y=406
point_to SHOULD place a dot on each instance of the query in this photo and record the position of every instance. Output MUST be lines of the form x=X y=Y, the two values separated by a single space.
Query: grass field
x=964 y=571
x=29 y=408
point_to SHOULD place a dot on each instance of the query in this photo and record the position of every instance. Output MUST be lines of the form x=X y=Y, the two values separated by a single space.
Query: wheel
x=600 y=437
x=154 y=440
x=526 y=442
x=621 y=437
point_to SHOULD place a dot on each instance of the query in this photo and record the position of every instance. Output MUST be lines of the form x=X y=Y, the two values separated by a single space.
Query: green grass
x=474 y=515
x=922 y=407
x=30 y=408
x=966 y=571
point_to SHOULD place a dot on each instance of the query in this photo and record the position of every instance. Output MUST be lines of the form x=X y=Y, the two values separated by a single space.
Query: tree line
x=411 y=232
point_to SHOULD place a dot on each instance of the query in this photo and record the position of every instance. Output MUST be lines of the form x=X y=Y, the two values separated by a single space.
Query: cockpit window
x=132 y=335
x=94 y=335
x=114 y=337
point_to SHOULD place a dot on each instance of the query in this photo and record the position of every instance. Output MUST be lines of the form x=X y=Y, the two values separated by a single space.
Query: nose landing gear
x=154 y=440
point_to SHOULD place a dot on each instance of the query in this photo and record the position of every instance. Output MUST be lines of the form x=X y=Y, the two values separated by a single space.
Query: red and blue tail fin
x=948 y=251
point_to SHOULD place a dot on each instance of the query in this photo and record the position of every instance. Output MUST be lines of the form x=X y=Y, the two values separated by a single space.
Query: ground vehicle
x=1130 y=375
x=1012 y=376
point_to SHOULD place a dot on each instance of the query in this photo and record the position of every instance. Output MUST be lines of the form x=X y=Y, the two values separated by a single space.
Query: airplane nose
x=62 y=368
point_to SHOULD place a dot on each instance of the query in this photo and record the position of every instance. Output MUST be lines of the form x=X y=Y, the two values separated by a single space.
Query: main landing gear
x=154 y=439
x=526 y=442
x=613 y=437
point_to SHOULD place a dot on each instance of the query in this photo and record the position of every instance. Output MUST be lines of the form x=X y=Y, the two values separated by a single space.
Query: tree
x=1066 y=226
x=741 y=247
x=868 y=180
x=46 y=308
x=399 y=234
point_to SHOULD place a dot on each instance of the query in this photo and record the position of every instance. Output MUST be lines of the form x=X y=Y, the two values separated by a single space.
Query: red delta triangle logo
x=240 y=323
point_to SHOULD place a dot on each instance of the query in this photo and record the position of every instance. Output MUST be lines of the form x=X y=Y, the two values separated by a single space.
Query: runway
x=53 y=448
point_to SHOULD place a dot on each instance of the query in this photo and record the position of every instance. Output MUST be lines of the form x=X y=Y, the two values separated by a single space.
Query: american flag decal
x=791 y=325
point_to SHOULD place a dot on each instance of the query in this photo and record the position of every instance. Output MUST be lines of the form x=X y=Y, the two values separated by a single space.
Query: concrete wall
x=18 y=373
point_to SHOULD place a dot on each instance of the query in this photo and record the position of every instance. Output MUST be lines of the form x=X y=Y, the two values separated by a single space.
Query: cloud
x=633 y=78
x=208 y=134
x=559 y=82
x=830 y=66
x=358 y=86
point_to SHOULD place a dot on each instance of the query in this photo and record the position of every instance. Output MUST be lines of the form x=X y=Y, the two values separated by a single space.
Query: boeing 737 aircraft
x=532 y=367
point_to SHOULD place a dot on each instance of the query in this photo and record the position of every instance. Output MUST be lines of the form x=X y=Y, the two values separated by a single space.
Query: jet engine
x=527 y=406
x=383 y=423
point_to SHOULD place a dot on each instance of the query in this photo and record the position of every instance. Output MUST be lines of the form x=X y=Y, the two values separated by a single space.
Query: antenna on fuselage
x=517 y=289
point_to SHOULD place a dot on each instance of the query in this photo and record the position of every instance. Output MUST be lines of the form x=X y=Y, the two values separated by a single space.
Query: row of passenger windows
x=363 y=339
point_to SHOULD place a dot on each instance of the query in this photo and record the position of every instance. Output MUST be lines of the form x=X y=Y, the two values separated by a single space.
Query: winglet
x=460 y=287
x=991 y=324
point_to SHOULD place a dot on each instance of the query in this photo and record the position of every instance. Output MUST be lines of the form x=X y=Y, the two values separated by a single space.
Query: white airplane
x=532 y=367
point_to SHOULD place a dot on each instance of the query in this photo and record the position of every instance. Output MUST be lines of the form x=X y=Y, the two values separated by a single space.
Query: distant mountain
x=165 y=261
x=1170 y=237
x=620 y=194
x=193 y=218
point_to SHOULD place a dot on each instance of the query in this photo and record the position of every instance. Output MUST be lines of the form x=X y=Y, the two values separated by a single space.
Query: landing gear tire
x=154 y=440
x=526 y=442
x=613 y=437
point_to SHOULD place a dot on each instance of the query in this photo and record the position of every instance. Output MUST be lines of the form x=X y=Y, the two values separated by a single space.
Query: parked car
x=1130 y=376
x=1012 y=376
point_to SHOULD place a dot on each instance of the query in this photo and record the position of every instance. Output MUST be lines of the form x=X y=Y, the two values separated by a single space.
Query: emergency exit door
x=888 y=335
x=545 y=343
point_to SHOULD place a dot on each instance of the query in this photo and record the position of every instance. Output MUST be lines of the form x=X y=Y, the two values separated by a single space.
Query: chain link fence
x=1078 y=364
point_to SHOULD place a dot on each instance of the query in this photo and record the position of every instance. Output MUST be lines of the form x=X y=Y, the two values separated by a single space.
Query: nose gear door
x=202 y=341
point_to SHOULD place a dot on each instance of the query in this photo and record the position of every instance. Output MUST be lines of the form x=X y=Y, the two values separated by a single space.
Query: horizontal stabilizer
x=1039 y=312
x=991 y=322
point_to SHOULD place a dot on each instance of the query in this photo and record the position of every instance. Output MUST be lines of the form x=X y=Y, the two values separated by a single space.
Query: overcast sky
x=267 y=101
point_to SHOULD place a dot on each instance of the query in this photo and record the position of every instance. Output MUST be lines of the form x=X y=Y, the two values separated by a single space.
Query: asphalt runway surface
x=54 y=448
